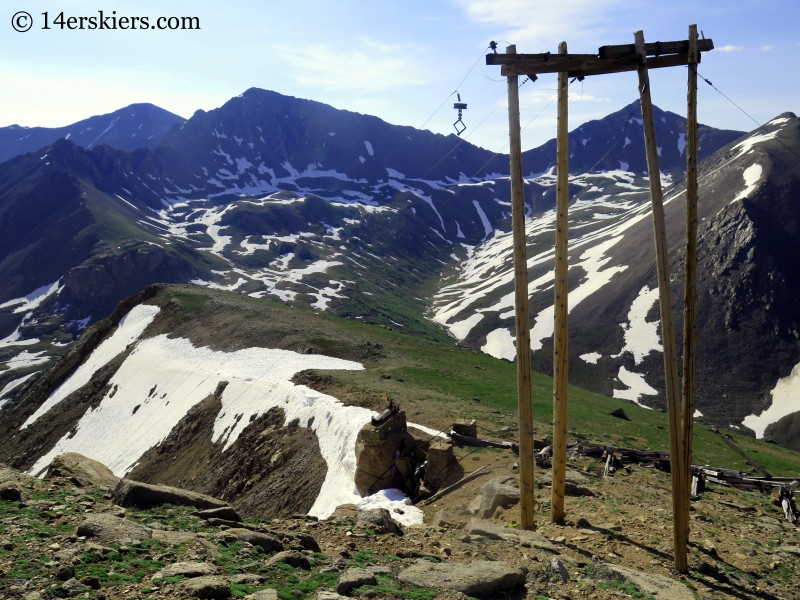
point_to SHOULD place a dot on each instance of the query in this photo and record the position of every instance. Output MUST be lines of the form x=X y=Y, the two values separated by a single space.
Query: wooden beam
x=667 y=327
x=512 y=59
x=656 y=48
x=561 y=312
x=526 y=450
x=690 y=268
x=591 y=66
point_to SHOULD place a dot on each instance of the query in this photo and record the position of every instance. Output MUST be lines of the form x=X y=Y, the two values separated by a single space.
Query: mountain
x=129 y=128
x=748 y=320
x=279 y=198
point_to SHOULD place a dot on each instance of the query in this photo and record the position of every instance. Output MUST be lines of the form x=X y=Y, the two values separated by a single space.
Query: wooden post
x=677 y=455
x=526 y=452
x=561 y=312
x=690 y=269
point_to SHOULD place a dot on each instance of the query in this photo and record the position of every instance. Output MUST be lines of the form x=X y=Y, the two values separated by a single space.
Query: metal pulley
x=459 y=106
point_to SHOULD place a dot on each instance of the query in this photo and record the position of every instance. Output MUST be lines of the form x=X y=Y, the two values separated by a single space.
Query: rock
x=210 y=586
x=442 y=468
x=559 y=570
x=444 y=518
x=574 y=483
x=354 y=578
x=187 y=569
x=7 y=545
x=480 y=579
x=81 y=470
x=173 y=538
x=475 y=506
x=108 y=529
x=65 y=572
x=96 y=548
x=10 y=493
x=376 y=449
x=224 y=512
x=649 y=584
x=73 y=588
x=468 y=427
x=91 y=581
x=293 y=558
x=379 y=520
x=265 y=595
x=143 y=495
x=330 y=596
x=266 y=542
x=344 y=511
x=494 y=531
x=247 y=579
x=498 y=492
x=793 y=550
x=619 y=413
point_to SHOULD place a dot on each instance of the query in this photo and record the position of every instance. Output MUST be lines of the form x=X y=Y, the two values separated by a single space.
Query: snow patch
x=637 y=386
x=752 y=175
x=500 y=344
x=641 y=336
x=785 y=401
x=591 y=357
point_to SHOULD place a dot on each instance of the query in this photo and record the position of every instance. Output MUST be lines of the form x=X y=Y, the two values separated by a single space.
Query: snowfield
x=162 y=378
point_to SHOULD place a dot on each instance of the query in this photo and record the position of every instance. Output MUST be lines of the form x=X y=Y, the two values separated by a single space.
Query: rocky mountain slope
x=747 y=318
x=129 y=128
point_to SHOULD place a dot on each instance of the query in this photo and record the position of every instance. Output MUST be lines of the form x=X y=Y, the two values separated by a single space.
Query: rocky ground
x=68 y=536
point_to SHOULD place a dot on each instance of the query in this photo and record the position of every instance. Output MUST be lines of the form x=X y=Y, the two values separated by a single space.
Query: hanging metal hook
x=460 y=106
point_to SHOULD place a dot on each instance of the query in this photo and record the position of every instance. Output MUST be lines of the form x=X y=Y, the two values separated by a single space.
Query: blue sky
x=397 y=60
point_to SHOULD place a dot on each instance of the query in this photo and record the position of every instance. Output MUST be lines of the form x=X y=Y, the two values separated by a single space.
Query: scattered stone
x=65 y=572
x=493 y=531
x=210 y=586
x=187 y=569
x=344 y=511
x=444 y=518
x=91 y=581
x=574 y=485
x=559 y=570
x=81 y=471
x=619 y=413
x=73 y=588
x=173 y=538
x=10 y=493
x=247 y=579
x=330 y=596
x=143 y=495
x=379 y=520
x=264 y=595
x=475 y=506
x=97 y=548
x=559 y=539
x=498 y=492
x=353 y=578
x=737 y=506
x=224 y=512
x=649 y=584
x=793 y=550
x=7 y=545
x=108 y=529
x=293 y=558
x=480 y=579
x=266 y=542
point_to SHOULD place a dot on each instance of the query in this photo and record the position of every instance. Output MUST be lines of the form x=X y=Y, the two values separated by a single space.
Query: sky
x=397 y=60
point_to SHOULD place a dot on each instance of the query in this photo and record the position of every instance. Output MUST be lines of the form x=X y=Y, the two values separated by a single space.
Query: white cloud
x=729 y=49
x=765 y=48
x=536 y=26
x=340 y=68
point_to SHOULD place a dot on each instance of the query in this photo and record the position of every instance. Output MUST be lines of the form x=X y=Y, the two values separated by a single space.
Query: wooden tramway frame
x=609 y=59
x=639 y=57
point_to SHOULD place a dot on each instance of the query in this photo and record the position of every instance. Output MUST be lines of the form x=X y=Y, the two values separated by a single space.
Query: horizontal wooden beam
x=610 y=59
x=595 y=65
x=655 y=49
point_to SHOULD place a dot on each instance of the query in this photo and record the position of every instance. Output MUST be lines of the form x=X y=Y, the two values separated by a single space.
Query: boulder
x=574 y=485
x=479 y=579
x=344 y=511
x=187 y=569
x=143 y=495
x=493 y=531
x=227 y=513
x=379 y=520
x=247 y=579
x=498 y=492
x=377 y=447
x=330 y=596
x=81 y=470
x=444 y=518
x=11 y=493
x=656 y=586
x=619 y=413
x=210 y=586
x=442 y=468
x=354 y=578
x=73 y=588
x=266 y=542
x=468 y=427
x=173 y=538
x=293 y=558
x=108 y=529
x=264 y=595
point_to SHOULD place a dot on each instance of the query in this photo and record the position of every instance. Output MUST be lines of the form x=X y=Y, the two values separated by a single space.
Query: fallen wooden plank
x=482 y=471
x=740 y=452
